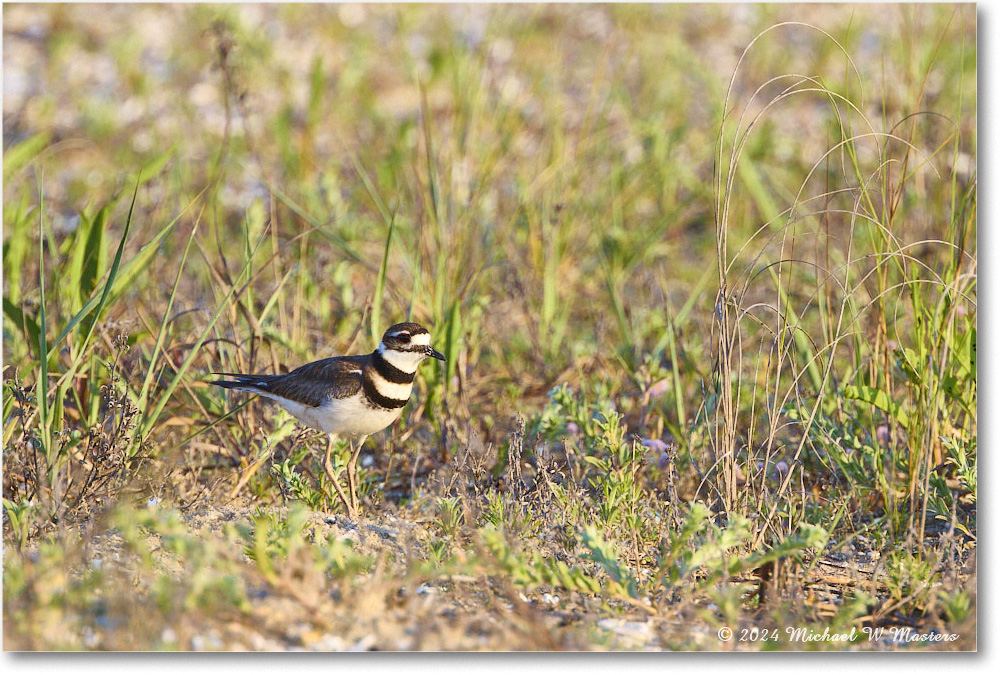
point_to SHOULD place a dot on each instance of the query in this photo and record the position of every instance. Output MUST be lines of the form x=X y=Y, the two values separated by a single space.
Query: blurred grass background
x=752 y=270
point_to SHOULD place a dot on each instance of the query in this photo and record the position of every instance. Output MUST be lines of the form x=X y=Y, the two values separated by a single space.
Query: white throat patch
x=404 y=361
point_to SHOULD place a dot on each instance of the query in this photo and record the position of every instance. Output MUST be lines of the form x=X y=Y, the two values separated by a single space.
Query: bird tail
x=244 y=382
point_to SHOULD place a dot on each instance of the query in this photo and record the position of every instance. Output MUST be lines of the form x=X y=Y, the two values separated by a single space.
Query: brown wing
x=311 y=384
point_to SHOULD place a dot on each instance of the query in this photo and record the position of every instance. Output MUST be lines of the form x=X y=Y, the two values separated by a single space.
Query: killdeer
x=348 y=396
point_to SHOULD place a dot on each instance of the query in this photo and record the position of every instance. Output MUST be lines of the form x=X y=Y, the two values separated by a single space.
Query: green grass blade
x=879 y=399
x=15 y=248
x=162 y=332
x=376 y=318
x=29 y=327
x=273 y=300
x=119 y=280
x=42 y=385
x=19 y=155
x=370 y=189
x=95 y=255
x=452 y=339
x=90 y=320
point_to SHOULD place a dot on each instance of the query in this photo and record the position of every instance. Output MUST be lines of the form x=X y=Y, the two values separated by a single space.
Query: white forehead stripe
x=419 y=338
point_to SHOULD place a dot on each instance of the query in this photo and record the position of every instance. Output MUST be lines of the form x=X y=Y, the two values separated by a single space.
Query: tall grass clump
x=845 y=323
x=75 y=430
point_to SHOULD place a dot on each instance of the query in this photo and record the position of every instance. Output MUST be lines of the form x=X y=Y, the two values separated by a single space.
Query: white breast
x=345 y=417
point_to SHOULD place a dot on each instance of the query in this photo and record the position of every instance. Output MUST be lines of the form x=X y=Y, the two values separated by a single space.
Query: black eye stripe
x=408 y=348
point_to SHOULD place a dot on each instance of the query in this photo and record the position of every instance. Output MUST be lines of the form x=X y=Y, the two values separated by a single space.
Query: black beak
x=435 y=353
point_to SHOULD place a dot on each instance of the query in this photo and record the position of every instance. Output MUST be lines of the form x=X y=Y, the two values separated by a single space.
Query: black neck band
x=389 y=372
x=373 y=395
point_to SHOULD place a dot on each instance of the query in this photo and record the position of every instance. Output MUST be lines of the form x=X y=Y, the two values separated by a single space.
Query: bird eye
x=404 y=338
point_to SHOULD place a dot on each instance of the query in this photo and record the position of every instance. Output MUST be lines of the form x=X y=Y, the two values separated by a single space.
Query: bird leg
x=352 y=472
x=349 y=506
